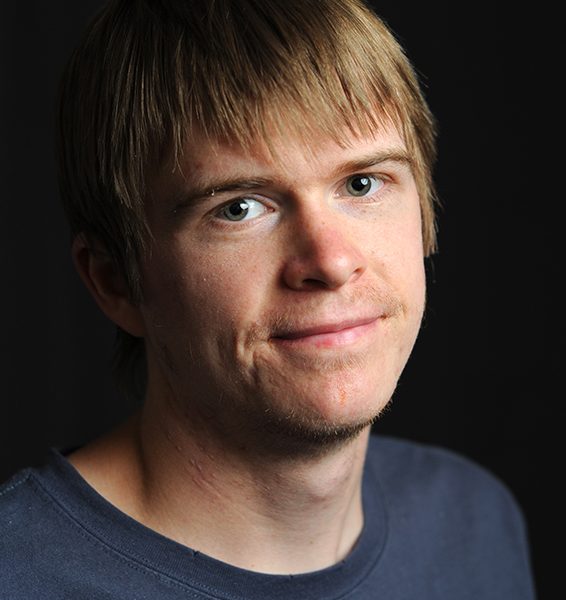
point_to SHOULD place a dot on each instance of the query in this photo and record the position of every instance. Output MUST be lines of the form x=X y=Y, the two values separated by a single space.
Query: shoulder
x=18 y=505
x=16 y=495
x=436 y=489
x=451 y=508
x=21 y=502
x=31 y=533
x=451 y=516
x=408 y=467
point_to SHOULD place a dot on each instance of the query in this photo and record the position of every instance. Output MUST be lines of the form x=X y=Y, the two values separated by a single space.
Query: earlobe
x=106 y=285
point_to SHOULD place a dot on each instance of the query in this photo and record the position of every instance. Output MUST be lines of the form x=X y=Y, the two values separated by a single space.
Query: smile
x=329 y=336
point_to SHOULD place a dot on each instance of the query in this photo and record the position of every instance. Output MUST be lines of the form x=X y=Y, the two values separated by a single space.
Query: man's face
x=285 y=290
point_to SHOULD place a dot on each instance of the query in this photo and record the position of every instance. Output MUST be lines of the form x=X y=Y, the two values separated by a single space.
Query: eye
x=363 y=185
x=242 y=209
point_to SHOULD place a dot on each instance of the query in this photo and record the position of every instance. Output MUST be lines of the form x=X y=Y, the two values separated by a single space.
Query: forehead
x=293 y=163
x=288 y=158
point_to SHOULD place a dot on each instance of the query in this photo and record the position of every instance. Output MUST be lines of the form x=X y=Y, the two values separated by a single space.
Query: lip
x=329 y=335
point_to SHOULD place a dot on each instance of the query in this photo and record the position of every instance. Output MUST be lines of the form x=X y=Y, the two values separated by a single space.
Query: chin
x=314 y=425
x=293 y=436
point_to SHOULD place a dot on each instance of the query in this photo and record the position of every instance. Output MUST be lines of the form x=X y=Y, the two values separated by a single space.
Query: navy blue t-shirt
x=436 y=526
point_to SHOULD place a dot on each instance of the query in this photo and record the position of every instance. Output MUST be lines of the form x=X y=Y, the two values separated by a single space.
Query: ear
x=106 y=285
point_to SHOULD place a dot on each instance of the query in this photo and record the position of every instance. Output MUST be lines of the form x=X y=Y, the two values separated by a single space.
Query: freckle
x=342 y=398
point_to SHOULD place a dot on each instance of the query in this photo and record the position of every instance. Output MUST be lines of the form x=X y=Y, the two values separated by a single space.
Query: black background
x=483 y=378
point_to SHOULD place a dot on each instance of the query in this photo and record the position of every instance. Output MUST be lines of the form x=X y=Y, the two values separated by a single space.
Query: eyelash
x=379 y=177
x=227 y=223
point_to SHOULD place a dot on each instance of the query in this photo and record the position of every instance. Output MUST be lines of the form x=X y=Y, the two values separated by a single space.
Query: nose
x=324 y=253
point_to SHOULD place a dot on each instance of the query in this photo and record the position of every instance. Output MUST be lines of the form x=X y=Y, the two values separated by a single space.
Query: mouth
x=329 y=335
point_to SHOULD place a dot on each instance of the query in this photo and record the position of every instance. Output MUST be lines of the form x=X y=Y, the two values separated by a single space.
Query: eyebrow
x=204 y=191
x=363 y=163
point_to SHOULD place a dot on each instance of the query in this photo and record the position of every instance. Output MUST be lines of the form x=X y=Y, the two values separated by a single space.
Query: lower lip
x=334 y=339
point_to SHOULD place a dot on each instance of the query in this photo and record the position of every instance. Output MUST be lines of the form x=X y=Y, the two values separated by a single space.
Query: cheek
x=230 y=281
x=411 y=273
x=206 y=290
x=398 y=251
x=400 y=261
x=412 y=278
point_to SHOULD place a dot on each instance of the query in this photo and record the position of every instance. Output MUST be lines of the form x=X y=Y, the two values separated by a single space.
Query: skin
x=272 y=343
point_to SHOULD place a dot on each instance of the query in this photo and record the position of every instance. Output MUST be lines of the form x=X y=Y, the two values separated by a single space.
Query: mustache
x=359 y=303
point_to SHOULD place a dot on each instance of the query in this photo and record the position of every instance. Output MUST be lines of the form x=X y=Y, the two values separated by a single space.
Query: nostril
x=322 y=258
x=315 y=284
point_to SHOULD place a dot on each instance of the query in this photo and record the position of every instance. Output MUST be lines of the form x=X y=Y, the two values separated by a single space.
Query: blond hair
x=148 y=72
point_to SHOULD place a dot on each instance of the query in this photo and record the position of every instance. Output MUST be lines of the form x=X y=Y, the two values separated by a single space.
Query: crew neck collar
x=109 y=525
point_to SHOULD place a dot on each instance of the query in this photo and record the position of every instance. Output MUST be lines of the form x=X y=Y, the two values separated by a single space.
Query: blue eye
x=242 y=209
x=362 y=185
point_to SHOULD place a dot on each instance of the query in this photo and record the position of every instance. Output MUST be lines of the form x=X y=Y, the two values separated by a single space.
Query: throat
x=262 y=515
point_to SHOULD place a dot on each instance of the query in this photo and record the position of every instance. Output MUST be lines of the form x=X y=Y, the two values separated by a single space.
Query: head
x=151 y=79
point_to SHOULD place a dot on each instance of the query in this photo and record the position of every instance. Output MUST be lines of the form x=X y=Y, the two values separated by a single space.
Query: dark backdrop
x=483 y=376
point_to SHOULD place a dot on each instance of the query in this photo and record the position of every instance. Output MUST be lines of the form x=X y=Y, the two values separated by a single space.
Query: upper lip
x=331 y=327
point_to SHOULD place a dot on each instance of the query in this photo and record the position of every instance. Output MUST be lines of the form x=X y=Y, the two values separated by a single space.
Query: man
x=249 y=188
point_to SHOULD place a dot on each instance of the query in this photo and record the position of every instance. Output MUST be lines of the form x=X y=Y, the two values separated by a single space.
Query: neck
x=251 y=509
